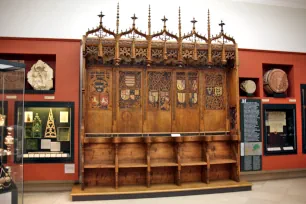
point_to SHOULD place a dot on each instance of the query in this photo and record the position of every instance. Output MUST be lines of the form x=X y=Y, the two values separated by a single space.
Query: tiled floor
x=289 y=191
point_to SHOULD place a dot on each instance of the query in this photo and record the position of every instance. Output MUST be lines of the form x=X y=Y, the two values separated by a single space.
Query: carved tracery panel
x=214 y=88
x=159 y=86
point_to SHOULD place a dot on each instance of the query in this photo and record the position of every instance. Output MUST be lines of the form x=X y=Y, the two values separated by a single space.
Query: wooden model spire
x=50 y=131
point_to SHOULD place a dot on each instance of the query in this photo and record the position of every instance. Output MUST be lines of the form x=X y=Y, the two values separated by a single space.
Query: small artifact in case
x=248 y=86
x=275 y=82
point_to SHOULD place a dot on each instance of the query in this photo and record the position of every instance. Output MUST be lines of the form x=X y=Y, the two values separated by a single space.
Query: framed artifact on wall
x=49 y=131
x=279 y=129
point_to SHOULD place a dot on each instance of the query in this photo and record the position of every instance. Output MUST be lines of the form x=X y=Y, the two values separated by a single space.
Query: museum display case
x=12 y=76
x=48 y=131
x=280 y=129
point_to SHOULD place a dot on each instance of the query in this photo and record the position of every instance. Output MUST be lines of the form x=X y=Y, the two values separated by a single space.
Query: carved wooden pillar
x=178 y=141
x=149 y=51
x=116 y=142
x=148 y=142
x=117 y=49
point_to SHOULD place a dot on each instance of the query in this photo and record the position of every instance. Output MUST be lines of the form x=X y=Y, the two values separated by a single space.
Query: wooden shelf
x=193 y=163
x=223 y=161
x=162 y=164
x=132 y=165
x=98 y=166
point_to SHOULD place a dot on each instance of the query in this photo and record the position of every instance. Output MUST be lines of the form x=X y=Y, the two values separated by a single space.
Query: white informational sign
x=55 y=146
x=45 y=144
x=6 y=197
x=242 y=149
x=63 y=116
x=175 y=135
x=69 y=168
x=288 y=148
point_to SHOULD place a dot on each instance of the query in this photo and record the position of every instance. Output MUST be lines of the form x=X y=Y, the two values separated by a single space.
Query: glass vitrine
x=48 y=131
x=280 y=129
x=12 y=76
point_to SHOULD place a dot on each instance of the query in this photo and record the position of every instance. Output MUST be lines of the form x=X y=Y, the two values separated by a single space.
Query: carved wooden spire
x=101 y=16
x=209 y=60
x=117 y=22
x=134 y=18
x=193 y=22
x=208 y=24
x=149 y=21
x=180 y=25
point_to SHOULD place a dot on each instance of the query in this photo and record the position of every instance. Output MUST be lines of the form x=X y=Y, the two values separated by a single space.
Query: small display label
x=49 y=97
x=69 y=168
x=11 y=97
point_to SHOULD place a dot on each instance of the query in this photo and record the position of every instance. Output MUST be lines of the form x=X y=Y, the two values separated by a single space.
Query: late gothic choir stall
x=160 y=112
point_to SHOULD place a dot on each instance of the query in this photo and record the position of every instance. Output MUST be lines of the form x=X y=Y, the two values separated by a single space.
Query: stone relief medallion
x=40 y=77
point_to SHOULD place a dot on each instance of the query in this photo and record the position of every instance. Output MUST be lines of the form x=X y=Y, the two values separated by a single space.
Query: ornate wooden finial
x=117 y=23
x=222 y=24
x=149 y=21
x=164 y=20
x=208 y=24
x=180 y=24
x=194 y=22
x=101 y=16
x=134 y=18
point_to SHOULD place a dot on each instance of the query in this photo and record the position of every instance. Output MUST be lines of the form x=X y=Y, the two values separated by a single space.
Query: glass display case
x=280 y=129
x=48 y=131
x=12 y=76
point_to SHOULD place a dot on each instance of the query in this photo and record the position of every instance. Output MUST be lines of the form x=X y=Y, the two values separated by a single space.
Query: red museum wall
x=67 y=77
x=251 y=66
x=67 y=80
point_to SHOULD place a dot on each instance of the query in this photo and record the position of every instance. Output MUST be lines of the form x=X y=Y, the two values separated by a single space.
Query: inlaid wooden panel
x=220 y=172
x=187 y=106
x=129 y=101
x=99 y=154
x=132 y=176
x=191 y=174
x=219 y=150
x=99 y=99
x=99 y=177
x=132 y=153
x=162 y=152
x=191 y=151
x=215 y=100
x=160 y=175
x=158 y=100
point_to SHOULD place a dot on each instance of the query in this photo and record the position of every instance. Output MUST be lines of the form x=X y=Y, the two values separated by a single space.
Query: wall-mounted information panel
x=251 y=142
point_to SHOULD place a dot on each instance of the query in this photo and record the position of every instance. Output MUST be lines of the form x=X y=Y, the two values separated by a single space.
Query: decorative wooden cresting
x=141 y=87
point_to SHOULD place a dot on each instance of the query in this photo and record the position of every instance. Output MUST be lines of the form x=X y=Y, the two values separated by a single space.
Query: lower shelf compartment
x=157 y=190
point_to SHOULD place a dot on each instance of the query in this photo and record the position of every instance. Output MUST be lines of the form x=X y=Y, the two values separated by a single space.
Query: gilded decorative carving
x=214 y=87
